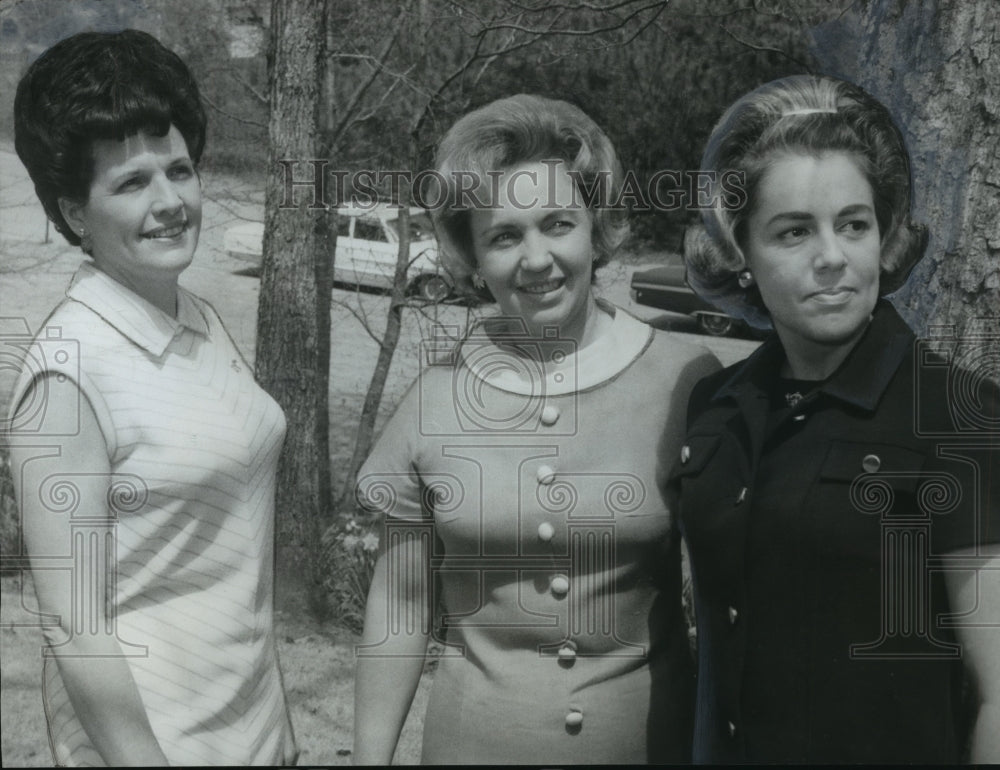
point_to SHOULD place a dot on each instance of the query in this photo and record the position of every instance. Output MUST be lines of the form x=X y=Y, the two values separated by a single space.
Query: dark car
x=666 y=287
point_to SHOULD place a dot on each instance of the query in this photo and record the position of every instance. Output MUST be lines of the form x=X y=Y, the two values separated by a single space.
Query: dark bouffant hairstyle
x=93 y=86
x=522 y=129
x=799 y=114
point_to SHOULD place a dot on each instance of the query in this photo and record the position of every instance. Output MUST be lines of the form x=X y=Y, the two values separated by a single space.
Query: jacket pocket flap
x=695 y=453
x=847 y=460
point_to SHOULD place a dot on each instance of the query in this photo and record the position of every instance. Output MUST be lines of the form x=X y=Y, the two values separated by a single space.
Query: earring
x=477 y=280
x=745 y=279
x=85 y=242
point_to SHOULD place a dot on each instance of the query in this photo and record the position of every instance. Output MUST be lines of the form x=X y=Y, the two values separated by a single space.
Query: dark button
x=741 y=496
x=733 y=614
x=871 y=463
x=799 y=417
x=685 y=454
x=732 y=730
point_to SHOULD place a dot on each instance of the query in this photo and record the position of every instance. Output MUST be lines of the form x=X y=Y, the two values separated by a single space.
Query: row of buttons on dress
x=559 y=584
x=546 y=474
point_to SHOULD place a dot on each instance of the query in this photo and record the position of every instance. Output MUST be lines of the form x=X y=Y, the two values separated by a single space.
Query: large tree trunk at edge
x=936 y=65
x=293 y=324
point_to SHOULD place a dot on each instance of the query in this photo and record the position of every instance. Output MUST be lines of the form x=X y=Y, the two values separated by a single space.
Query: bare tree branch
x=361 y=89
x=361 y=319
x=550 y=30
x=768 y=49
x=231 y=116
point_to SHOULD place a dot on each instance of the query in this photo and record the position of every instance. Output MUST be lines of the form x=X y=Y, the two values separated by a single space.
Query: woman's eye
x=857 y=226
x=561 y=226
x=132 y=183
x=181 y=172
x=503 y=239
x=793 y=234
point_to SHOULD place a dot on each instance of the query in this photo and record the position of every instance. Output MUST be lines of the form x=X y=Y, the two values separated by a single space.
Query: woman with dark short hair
x=144 y=454
x=841 y=515
x=519 y=479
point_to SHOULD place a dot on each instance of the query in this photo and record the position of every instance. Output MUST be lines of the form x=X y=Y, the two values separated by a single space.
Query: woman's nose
x=167 y=199
x=830 y=252
x=535 y=254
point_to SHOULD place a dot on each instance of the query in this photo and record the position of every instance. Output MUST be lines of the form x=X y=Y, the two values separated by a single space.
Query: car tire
x=432 y=288
x=715 y=325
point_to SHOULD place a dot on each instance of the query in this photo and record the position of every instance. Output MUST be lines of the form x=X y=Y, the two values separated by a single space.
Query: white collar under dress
x=139 y=320
x=546 y=374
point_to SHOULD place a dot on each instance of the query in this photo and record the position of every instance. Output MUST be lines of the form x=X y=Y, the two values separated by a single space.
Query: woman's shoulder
x=686 y=360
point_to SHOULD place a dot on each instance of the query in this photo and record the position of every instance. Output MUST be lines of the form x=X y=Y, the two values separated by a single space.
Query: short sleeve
x=389 y=483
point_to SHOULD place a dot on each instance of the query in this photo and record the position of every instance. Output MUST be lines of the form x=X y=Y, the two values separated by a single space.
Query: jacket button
x=549 y=415
x=871 y=463
x=732 y=729
x=546 y=475
x=546 y=532
x=798 y=417
x=685 y=453
x=733 y=615
x=574 y=718
x=741 y=496
x=567 y=653
x=559 y=585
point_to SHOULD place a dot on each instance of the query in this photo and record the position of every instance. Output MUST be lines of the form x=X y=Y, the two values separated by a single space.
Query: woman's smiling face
x=534 y=250
x=812 y=244
x=143 y=213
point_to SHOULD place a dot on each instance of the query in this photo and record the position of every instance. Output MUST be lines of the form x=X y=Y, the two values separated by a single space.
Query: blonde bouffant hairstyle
x=522 y=129
x=802 y=114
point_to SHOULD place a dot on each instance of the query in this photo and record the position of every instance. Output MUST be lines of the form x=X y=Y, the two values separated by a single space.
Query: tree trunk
x=293 y=323
x=387 y=349
x=936 y=65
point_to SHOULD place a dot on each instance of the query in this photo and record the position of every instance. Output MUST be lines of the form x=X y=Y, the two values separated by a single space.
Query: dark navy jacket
x=819 y=547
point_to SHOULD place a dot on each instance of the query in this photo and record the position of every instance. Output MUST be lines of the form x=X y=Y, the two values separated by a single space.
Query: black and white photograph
x=460 y=382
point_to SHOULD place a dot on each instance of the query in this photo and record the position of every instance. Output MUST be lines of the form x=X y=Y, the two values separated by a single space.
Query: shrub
x=10 y=523
x=349 y=553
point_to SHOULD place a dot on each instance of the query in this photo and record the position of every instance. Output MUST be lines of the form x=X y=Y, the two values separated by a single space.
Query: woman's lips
x=166 y=232
x=835 y=296
x=541 y=287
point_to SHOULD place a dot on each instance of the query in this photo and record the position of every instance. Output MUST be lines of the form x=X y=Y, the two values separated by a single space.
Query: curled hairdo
x=522 y=129
x=94 y=86
x=799 y=114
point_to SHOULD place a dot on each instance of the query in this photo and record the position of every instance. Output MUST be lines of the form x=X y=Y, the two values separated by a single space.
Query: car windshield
x=420 y=227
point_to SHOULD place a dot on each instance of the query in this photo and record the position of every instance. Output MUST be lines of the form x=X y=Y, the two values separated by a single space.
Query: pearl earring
x=85 y=241
x=745 y=279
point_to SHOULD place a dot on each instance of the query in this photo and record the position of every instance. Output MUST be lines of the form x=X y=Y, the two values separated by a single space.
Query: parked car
x=366 y=251
x=666 y=287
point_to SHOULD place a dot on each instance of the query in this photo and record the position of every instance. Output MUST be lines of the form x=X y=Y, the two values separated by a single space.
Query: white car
x=367 y=247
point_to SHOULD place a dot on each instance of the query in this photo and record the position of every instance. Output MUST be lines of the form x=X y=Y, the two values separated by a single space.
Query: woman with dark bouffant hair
x=519 y=481
x=845 y=563
x=144 y=454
